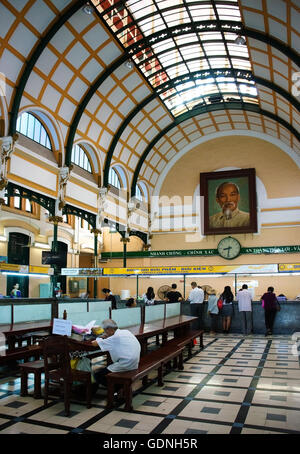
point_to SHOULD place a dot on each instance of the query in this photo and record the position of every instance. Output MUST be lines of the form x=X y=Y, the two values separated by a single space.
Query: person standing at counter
x=244 y=300
x=227 y=309
x=173 y=296
x=110 y=297
x=196 y=298
x=270 y=304
x=213 y=310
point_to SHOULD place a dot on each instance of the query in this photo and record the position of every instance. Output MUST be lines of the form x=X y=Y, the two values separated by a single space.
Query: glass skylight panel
x=176 y=71
x=171 y=57
x=180 y=42
x=209 y=36
x=191 y=51
x=150 y=25
x=202 y=13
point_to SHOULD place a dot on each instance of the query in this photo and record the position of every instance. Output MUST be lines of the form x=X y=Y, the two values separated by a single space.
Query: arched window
x=138 y=193
x=141 y=192
x=31 y=127
x=80 y=158
x=113 y=178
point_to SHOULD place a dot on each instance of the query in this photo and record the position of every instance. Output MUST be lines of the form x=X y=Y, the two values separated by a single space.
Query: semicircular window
x=113 y=178
x=31 y=127
x=80 y=158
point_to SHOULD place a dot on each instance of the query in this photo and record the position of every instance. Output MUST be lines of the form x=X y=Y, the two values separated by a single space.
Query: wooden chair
x=56 y=352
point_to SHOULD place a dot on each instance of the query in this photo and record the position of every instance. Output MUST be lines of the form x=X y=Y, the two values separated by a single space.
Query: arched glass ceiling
x=186 y=49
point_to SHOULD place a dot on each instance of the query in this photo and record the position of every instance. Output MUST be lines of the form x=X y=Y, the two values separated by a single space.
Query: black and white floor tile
x=235 y=385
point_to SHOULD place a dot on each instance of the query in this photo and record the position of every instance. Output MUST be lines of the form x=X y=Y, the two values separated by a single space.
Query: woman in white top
x=149 y=296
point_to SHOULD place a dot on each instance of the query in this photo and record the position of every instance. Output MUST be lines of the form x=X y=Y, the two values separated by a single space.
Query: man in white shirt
x=244 y=300
x=123 y=347
x=196 y=298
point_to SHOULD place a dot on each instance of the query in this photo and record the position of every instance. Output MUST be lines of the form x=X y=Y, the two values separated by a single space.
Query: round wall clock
x=229 y=248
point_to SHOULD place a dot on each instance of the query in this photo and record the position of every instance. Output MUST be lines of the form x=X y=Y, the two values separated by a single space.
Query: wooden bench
x=152 y=361
x=187 y=340
x=21 y=353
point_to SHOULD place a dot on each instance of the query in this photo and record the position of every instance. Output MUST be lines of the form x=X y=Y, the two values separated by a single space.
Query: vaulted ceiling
x=139 y=80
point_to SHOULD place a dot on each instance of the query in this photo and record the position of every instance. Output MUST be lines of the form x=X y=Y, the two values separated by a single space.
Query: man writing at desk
x=228 y=197
x=123 y=347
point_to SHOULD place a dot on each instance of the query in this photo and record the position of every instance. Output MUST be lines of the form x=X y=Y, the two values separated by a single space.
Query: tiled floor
x=236 y=384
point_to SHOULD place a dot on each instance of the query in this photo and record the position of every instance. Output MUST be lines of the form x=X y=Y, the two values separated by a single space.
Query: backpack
x=220 y=303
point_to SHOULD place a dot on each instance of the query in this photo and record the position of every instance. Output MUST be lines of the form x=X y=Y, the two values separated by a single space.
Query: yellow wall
x=288 y=285
x=274 y=167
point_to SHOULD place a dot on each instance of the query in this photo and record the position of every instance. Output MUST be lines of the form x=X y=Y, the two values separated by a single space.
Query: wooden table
x=179 y=324
x=12 y=331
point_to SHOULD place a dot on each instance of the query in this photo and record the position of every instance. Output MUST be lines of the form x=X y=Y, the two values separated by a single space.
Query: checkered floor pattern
x=235 y=385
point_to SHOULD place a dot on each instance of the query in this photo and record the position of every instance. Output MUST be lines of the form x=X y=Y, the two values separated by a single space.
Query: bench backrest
x=156 y=312
x=127 y=317
x=172 y=309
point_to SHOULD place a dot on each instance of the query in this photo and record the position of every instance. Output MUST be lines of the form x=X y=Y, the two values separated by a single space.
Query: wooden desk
x=179 y=324
x=12 y=331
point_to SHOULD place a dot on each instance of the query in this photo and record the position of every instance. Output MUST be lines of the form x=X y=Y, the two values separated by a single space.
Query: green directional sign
x=203 y=252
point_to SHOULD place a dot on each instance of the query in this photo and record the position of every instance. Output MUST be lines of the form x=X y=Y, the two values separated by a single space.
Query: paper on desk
x=79 y=329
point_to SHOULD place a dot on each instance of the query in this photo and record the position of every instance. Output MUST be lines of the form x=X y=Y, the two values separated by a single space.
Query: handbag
x=220 y=303
x=278 y=307
x=82 y=363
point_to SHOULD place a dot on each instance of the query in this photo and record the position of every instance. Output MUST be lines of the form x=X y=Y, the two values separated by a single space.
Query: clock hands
x=227 y=249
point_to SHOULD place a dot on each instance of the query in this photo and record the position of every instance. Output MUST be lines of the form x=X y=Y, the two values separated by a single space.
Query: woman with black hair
x=149 y=296
x=227 y=309
x=270 y=305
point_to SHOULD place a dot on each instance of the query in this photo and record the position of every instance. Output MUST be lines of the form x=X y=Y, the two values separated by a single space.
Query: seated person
x=131 y=302
x=281 y=297
x=110 y=297
x=123 y=347
x=149 y=296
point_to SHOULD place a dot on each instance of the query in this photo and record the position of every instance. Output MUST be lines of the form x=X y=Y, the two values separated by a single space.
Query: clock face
x=229 y=248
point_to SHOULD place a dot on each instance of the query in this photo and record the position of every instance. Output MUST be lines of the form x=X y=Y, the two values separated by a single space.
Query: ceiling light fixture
x=240 y=41
x=129 y=64
x=87 y=9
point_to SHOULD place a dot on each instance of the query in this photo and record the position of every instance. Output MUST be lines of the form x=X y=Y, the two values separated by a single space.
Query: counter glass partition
x=127 y=317
x=156 y=312
x=30 y=313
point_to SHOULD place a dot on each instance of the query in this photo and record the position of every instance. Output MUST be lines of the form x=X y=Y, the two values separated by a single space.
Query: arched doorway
x=62 y=252
x=18 y=253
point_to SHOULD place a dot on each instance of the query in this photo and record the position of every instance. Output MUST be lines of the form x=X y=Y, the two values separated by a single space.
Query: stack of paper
x=79 y=329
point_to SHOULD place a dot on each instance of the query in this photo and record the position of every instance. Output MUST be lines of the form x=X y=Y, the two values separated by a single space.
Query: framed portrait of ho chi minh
x=228 y=201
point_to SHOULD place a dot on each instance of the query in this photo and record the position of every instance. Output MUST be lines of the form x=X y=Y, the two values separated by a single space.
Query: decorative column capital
x=55 y=219
x=96 y=231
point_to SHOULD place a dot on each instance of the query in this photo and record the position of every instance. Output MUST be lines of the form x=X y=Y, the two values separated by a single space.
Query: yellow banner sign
x=168 y=270
x=23 y=268
x=289 y=267
x=203 y=269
